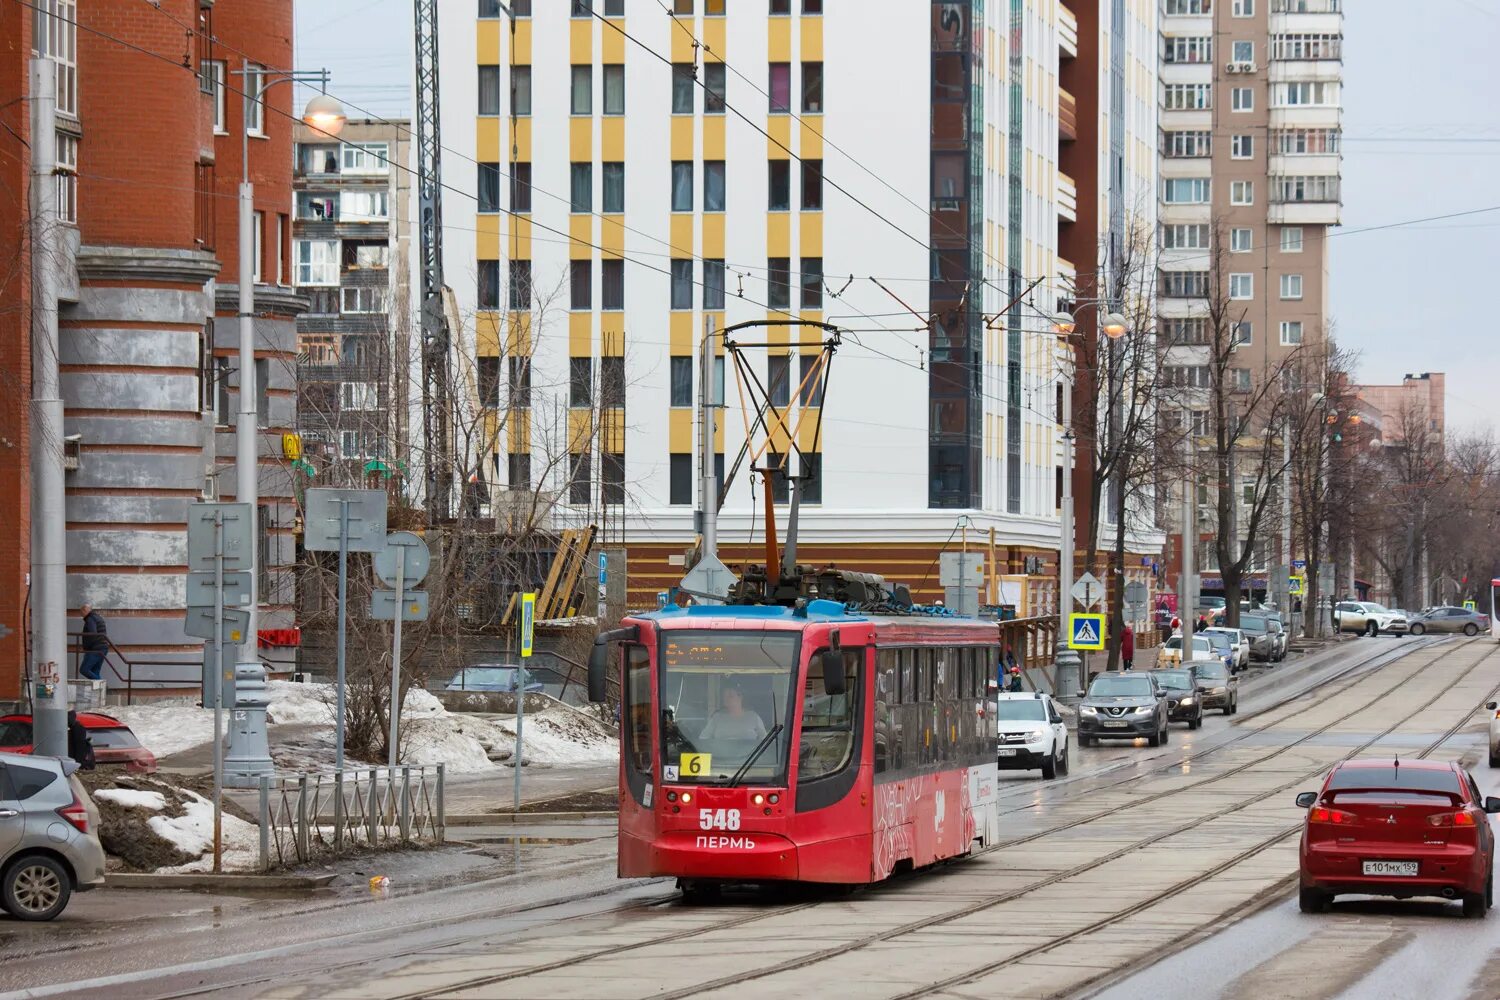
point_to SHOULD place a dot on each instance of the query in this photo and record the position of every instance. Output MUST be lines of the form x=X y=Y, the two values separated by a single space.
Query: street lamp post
x=249 y=753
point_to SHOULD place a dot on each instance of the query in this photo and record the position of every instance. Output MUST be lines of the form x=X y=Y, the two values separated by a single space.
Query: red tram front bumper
x=750 y=855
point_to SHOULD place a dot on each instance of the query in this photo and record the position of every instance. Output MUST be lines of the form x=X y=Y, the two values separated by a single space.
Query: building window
x=489 y=187
x=683 y=85
x=780 y=185
x=1291 y=333
x=713 y=284
x=520 y=284
x=614 y=187
x=1184 y=331
x=1291 y=239
x=1305 y=141
x=1241 y=286
x=1188 y=49
x=779 y=282
x=776 y=464
x=362 y=299
x=583 y=8
x=263 y=393
x=682 y=186
x=1184 y=284
x=614 y=8
x=1242 y=8
x=1239 y=240
x=581 y=284
x=1305 y=93
x=1239 y=380
x=520 y=91
x=781 y=88
x=779 y=379
x=1241 y=334
x=1243 y=52
x=612 y=480
x=612 y=284
x=67 y=177
x=682 y=283
x=1171 y=7
x=812 y=185
x=1319 y=187
x=1242 y=99
x=810 y=391
x=812 y=88
x=680 y=479
x=580 y=489
x=1242 y=147
x=682 y=380
x=1185 y=190
x=520 y=382
x=1187 y=96
x=487 y=283
x=255 y=110
x=781 y=7
x=364 y=158
x=811 y=468
x=489 y=90
x=582 y=188
x=363 y=206
x=1241 y=192
x=581 y=383
x=519 y=469
x=215 y=73
x=713 y=88
x=520 y=188
x=682 y=7
x=1186 y=145
x=812 y=6
x=1323 y=46
x=583 y=90
x=317 y=262
x=1291 y=286
x=812 y=282
x=612 y=381
x=487 y=377
x=1184 y=237
x=614 y=89
x=713 y=185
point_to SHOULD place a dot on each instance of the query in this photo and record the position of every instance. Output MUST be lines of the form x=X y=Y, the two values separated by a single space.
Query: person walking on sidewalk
x=1127 y=646
x=95 y=643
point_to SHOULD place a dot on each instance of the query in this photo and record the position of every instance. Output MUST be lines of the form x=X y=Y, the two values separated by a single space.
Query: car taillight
x=1451 y=819
x=1337 y=817
x=76 y=814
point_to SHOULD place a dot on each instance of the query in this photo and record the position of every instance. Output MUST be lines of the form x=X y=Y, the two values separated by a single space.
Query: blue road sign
x=603 y=568
x=1086 y=631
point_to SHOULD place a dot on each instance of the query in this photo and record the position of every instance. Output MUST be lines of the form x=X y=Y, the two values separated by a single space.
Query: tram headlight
x=671 y=796
x=758 y=799
x=775 y=798
x=687 y=797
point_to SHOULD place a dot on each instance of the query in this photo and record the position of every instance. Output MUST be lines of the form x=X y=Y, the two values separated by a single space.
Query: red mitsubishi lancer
x=1390 y=827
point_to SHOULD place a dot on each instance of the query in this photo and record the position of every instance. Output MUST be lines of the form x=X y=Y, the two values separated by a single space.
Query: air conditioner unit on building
x=1240 y=67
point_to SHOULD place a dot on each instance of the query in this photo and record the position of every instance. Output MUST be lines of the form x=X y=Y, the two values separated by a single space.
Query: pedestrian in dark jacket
x=1127 y=646
x=80 y=747
x=95 y=643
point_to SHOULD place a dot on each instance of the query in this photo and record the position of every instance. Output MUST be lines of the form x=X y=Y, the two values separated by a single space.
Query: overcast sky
x=1422 y=139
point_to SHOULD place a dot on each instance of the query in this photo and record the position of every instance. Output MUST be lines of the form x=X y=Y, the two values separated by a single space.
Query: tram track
x=980 y=906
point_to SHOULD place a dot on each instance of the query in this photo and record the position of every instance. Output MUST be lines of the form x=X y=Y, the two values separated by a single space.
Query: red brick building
x=148 y=137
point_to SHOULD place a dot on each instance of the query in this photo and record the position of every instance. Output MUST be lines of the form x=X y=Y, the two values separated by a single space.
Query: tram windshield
x=726 y=701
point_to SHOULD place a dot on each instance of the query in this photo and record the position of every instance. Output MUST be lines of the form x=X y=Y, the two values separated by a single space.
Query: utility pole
x=1185 y=582
x=1068 y=666
x=49 y=570
x=436 y=406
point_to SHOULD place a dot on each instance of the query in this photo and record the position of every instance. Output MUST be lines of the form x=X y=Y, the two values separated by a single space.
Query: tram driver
x=733 y=722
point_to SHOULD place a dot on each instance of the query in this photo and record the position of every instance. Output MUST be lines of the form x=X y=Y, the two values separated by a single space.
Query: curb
x=205 y=880
x=486 y=819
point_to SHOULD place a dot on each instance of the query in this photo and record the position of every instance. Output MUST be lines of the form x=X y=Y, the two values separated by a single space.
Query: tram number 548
x=718 y=819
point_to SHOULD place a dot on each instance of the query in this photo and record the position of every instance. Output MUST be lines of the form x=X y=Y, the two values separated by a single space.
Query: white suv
x=1030 y=734
x=1369 y=618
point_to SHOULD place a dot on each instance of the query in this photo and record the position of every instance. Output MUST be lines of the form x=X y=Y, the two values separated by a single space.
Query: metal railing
x=305 y=816
x=123 y=667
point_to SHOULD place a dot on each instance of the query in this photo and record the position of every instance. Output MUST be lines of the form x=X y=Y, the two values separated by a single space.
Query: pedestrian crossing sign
x=1469 y=606
x=1297 y=585
x=1086 y=631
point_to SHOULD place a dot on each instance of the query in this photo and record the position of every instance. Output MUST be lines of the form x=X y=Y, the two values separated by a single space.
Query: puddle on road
x=523 y=839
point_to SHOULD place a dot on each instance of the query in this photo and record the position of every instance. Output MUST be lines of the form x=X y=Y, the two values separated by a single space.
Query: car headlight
x=1186 y=701
x=1219 y=690
x=1086 y=710
x=1145 y=710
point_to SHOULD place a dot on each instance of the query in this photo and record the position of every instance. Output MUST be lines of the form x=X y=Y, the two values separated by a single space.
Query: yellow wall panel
x=779 y=128
x=713 y=137
x=523 y=142
x=612 y=139
x=682 y=43
x=778 y=234
x=810 y=234
x=580 y=335
x=580 y=139
x=810 y=134
x=719 y=437
x=612 y=235
x=682 y=334
x=680 y=431
x=812 y=39
x=487 y=141
x=522 y=36
x=518 y=431
x=807 y=432
x=519 y=242
x=682 y=137
x=612 y=431
x=487 y=43
x=487 y=236
x=612 y=42
x=581 y=229
x=519 y=338
x=779 y=39
x=581 y=40
x=487 y=334
x=713 y=37
x=713 y=235
x=682 y=234
x=611 y=334
x=580 y=429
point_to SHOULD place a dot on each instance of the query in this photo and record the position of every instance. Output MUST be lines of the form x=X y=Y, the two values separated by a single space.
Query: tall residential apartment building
x=617 y=181
x=350 y=244
x=147 y=316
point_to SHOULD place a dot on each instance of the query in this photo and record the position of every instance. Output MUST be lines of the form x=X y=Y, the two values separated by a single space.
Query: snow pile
x=300 y=704
x=133 y=798
x=192 y=833
x=167 y=727
x=435 y=740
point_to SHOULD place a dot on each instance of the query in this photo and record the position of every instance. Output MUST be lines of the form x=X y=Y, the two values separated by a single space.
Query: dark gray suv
x=1123 y=705
x=49 y=842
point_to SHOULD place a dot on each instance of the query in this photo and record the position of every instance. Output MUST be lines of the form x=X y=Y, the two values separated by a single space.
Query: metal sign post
x=218 y=692
x=344 y=521
x=405 y=559
x=528 y=630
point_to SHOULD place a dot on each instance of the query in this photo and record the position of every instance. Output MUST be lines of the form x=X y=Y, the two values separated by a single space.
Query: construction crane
x=436 y=336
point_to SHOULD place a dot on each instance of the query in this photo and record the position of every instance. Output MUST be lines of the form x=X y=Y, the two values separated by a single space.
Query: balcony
x=1067 y=32
x=1067 y=115
x=1307 y=6
x=1067 y=198
x=1312 y=199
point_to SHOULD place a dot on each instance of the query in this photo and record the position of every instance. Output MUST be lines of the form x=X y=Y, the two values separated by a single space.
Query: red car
x=113 y=741
x=1398 y=828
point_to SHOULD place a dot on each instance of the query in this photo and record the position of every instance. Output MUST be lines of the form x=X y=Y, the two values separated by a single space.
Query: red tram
x=806 y=743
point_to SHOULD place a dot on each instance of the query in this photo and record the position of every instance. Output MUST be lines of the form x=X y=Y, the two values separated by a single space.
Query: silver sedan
x=1450 y=620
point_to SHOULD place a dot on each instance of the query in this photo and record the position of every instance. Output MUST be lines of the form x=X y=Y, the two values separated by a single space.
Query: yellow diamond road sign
x=1086 y=631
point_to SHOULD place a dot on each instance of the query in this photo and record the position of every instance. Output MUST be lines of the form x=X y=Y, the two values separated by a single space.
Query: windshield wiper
x=765 y=741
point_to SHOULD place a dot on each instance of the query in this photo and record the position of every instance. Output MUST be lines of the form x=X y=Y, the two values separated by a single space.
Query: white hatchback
x=1030 y=734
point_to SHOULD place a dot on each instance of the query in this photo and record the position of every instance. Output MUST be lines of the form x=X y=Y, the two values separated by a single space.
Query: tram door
x=1494 y=608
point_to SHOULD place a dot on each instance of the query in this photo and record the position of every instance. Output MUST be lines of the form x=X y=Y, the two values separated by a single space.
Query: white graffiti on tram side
x=731 y=843
x=895 y=808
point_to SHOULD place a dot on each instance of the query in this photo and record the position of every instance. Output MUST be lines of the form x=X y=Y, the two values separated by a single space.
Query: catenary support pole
x=396 y=650
x=708 y=489
x=49 y=571
x=1068 y=664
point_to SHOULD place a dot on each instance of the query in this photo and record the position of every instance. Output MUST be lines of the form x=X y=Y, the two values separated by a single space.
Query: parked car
x=1218 y=687
x=114 y=743
x=1241 y=644
x=1169 y=653
x=499 y=677
x=1270 y=625
x=1123 y=706
x=1223 y=645
x=1368 y=618
x=1031 y=734
x=1400 y=828
x=1263 y=645
x=1181 y=688
x=1450 y=620
x=49 y=847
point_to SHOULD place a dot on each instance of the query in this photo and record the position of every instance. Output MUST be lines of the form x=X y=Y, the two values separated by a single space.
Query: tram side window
x=887 y=699
x=827 y=743
x=638 y=710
